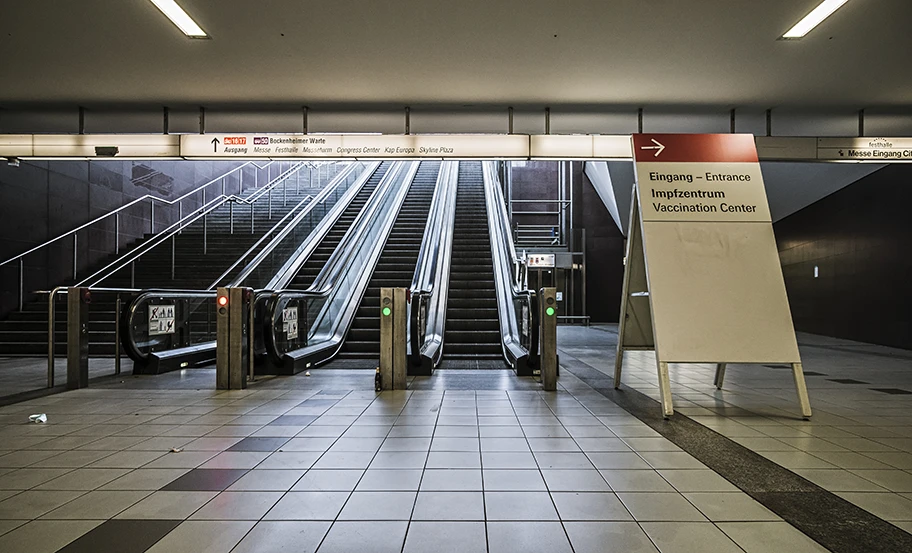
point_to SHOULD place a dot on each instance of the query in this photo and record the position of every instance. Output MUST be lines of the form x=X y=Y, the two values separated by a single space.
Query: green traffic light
x=386 y=311
x=550 y=311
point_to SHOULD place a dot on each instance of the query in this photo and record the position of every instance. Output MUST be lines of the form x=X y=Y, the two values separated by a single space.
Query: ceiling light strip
x=816 y=17
x=179 y=17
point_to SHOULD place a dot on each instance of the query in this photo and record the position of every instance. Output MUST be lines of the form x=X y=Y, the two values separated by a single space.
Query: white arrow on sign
x=658 y=147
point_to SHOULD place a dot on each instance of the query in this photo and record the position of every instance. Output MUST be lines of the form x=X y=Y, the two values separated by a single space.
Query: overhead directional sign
x=427 y=146
x=579 y=146
x=687 y=178
x=865 y=149
x=334 y=146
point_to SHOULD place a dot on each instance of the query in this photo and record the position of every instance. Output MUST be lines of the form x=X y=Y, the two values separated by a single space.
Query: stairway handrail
x=149 y=197
x=164 y=235
x=275 y=240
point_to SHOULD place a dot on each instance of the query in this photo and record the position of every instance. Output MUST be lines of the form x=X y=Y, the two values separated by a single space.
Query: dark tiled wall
x=40 y=200
x=535 y=180
x=860 y=239
x=604 y=253
x=604 y=243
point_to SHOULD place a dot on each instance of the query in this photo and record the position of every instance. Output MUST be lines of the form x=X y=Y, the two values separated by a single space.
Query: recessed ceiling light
x=179 y=17
x=816 y=17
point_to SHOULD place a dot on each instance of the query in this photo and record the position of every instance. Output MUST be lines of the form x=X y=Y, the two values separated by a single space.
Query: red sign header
x=718 y=148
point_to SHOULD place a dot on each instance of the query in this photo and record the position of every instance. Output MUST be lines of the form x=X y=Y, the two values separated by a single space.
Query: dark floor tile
x=825 y=517
x=812 y=373
x=318 y=402
x=205 y=480
x=846 y=381
x=778 y=366
x=122 y=536
x=293 y=420
x=259 y=444
x=892 y=391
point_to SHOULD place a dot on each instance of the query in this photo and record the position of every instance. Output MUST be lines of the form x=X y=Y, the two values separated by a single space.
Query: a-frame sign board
x=703 y=283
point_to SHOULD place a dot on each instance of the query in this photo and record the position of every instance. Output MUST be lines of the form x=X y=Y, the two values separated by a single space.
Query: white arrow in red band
x=658 y=147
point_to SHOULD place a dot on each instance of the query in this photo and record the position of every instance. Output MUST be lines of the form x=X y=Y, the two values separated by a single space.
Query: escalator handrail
x=277 y=239
x=329 y=274
x=396 y=181
x=432 y=270
x=131 y=310
x=340 y=262
x=296 y=260
x=504 y=258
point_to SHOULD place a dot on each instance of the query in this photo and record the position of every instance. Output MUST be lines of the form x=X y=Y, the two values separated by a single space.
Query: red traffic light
x=222 y=301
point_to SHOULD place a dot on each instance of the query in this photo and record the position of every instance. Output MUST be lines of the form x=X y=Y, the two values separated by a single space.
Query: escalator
x=290 y=242
x=472 y=327
x=396 y=265
x=317 y=260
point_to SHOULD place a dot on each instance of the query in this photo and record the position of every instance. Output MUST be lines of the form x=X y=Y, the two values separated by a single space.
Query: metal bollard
x=78 y=300
x=232 y=346
x=548 y=306
x=393 y=362
x=118 y=305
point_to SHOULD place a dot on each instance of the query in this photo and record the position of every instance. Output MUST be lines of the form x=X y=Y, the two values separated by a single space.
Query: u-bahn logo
x=261 y=141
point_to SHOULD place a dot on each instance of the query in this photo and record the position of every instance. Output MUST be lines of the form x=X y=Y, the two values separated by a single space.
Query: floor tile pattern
x=339 y=469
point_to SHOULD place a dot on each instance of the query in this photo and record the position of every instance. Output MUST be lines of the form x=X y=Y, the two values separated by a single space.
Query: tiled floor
x=464 y=461
x=858 y=444
x=350 y=470
x=19 y=375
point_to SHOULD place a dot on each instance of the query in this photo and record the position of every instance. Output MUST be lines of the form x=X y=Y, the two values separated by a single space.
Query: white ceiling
x=479 y=52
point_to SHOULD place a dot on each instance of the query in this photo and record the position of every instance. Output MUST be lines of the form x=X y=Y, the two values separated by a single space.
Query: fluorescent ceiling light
x=179 y=17
x=816 y=17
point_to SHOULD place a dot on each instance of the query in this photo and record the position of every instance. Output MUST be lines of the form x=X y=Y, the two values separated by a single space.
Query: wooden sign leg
x=618 y=362
x=720 y=375
x=665 y=390
x=801 y=387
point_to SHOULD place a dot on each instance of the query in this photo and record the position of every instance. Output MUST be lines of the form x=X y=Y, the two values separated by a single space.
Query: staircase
x=25 y=333
x=472 y=329
x=396 y=265
x=317 y=260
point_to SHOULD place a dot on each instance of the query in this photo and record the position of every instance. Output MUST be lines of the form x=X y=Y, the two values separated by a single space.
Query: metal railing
x=52 y=316
x=538 y=235
x=171 y=232
x=198 y=193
